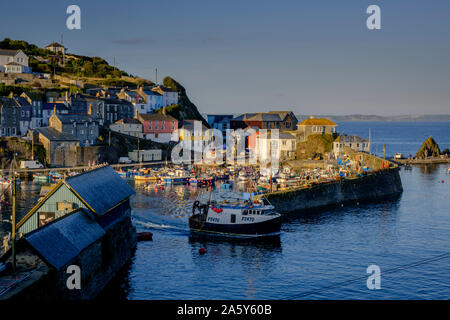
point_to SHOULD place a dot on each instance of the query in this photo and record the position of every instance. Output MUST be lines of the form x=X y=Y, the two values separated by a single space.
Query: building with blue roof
x=100 y=191
x=83 y=222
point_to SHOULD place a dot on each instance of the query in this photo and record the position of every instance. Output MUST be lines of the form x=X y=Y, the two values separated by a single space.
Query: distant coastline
x=400 y=118
x=373 y=118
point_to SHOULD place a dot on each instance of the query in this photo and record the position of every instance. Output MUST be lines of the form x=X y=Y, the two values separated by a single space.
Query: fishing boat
x=243 y=176
x=55 y=176
x=242 y=220
x=121 y=173
x=5 y=181
x=146 y=177
x=179 y=176
x=40 y=177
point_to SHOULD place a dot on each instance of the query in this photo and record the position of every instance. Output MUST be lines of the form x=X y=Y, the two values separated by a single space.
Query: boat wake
x=162 y=227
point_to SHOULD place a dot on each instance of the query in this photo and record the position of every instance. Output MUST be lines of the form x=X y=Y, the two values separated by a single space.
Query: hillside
x=185 y=109
x=89 y=70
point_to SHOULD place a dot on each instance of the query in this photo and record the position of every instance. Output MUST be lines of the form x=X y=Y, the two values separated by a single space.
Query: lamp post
x=13 y=220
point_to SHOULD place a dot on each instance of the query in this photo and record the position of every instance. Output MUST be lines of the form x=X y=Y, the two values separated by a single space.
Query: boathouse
x=84 y=221
x=100 y=191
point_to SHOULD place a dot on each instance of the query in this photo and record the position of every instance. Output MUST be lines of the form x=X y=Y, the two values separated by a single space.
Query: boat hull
x=264 y=228
x=175 y=180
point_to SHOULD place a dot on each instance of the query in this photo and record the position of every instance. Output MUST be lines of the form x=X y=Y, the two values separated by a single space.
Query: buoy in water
x=202 y=250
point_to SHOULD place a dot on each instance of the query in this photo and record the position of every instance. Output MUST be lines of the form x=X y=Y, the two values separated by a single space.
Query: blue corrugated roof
x=102 y=188
x=61 y=241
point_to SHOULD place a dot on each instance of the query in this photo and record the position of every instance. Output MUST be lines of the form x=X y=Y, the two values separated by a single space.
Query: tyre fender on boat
x=196 y=206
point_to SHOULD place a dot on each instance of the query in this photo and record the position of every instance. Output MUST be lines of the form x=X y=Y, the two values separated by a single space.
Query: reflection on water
x=428 y=168
x=315 y=248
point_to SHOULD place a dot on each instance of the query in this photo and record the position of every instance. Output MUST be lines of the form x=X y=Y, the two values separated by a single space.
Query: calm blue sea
x=323 y=255
x=403 y=137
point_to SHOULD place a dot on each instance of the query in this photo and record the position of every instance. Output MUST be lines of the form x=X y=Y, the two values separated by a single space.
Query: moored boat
x=180 y=176
x=40 y=177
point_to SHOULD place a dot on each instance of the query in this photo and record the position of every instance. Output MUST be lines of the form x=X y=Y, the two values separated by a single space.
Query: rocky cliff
x=185 y=109
x=428 y=149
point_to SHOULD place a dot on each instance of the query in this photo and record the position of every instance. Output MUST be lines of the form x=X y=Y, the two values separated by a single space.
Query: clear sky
x=312 y=57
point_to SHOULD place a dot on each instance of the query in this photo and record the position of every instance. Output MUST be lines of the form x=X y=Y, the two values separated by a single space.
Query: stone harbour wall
x=374 y=186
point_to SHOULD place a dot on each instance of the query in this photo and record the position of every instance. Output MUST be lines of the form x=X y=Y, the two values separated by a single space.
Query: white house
x=170 y=96
x=14 y=61
x=354 y=142
x=145 y=155
x=284 y=148
x=136 y=98
x=55 y=47
x=131 y=127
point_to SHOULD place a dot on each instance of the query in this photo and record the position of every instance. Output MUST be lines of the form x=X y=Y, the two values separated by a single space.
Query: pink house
x=157 y=127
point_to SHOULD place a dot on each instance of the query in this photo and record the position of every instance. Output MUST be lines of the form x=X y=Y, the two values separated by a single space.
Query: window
x=64 y=205
x=45 y=217
x=233 y=218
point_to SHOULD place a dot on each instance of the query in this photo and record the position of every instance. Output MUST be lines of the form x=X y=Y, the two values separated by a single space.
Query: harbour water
x=314 y=251
x=320 y=255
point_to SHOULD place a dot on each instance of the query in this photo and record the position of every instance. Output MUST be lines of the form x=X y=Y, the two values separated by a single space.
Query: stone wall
x=86 y=155
x=373 y=186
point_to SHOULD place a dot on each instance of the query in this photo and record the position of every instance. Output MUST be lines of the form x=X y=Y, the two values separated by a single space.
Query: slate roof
x=60 y=241
x=163 y=89
x=347 y=139
x=8 y=52
x=34 y=96
x=50 y=105
x=101 y=189
x=152 y=93
x=189 y=125
x=12 y=63
x=155 y=116
x=271 y=116
x=281 y=135
x=54 y=135
x=72 y=117
x=128 y=120
x=55 y=44
x=22 y=102
x=317 y=122
x=7 y=102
